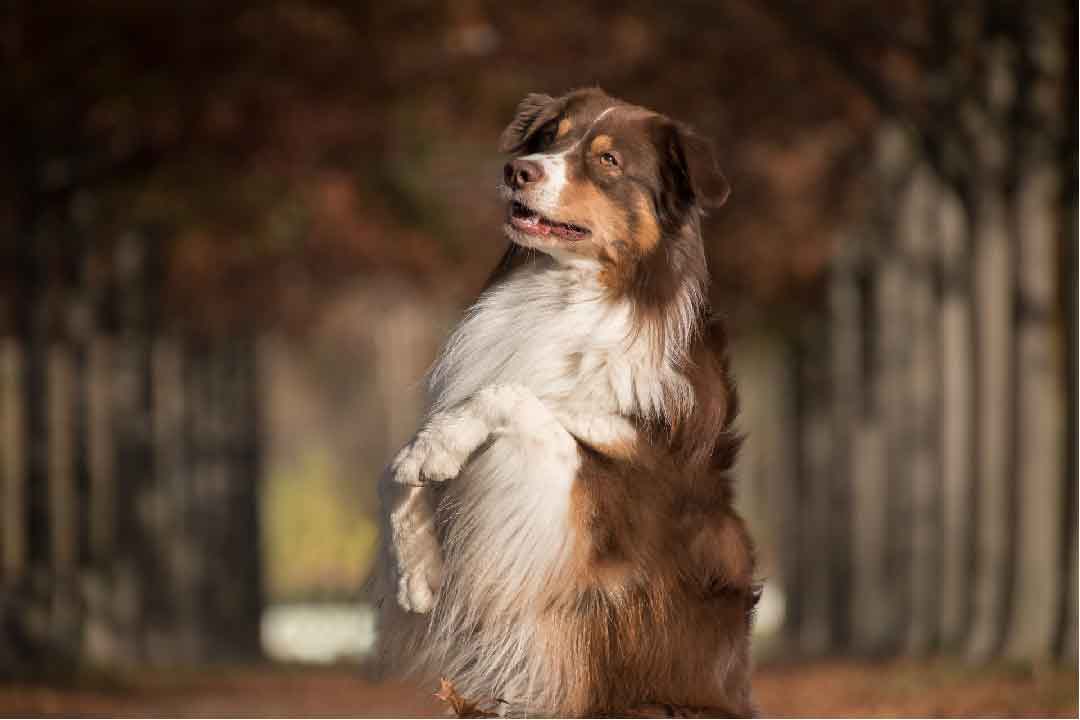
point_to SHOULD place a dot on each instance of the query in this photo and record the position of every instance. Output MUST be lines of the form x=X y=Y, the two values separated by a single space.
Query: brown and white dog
x=560 y=531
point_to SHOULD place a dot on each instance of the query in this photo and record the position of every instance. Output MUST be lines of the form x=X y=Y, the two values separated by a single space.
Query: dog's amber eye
x=609 y=160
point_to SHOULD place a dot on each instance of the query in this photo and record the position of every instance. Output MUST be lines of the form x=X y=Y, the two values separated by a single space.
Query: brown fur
x=666 y=175
x=656 y=605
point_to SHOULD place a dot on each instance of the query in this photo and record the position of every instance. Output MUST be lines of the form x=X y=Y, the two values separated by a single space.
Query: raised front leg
x=448 y=438
x=437 y=453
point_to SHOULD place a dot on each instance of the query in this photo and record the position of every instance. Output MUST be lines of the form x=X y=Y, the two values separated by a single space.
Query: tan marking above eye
x=601 y=143
x=564 y=127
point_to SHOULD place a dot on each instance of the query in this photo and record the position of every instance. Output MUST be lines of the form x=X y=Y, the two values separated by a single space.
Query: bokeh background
x=233 y=235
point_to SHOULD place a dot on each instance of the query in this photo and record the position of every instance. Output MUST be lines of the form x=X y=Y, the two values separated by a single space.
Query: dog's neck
x=555 y=328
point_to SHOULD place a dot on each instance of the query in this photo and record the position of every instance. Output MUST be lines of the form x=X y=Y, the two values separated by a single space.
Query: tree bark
x=870 y=477
x=994 y=262
x=64 y=533
x=100 y=448
x=895 y=354
x=957 y=421
x=766 y=467
x=1040 y=440
x=918 y=240
x=815 y=632
x=172 y=481
x=795 y=558
x=1039 y=436
x=12 y=464
x=1066 y=646
x=135 y=577
x=845 y=388
x=993 y=280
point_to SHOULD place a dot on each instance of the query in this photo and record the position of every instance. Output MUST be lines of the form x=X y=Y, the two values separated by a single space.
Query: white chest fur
x=548 y=333
x=551 y=328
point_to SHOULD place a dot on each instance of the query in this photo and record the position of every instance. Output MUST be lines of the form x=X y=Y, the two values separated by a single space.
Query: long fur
x=550 y=329
x=577 y=552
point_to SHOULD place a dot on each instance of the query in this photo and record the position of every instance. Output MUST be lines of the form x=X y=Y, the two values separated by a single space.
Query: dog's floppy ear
x=532 y=112
x=710 y=185
x=688 y=170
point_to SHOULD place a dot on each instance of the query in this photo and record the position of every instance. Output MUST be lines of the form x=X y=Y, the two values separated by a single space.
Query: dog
x=560 y=537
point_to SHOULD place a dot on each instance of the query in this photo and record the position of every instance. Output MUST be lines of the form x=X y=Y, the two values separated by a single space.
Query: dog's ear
x=710 y=186
x=688 y=170
x=532 y=113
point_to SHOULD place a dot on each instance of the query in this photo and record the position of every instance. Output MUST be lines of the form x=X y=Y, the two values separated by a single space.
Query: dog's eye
x=543 y=137
x=547 y=135
x=609 y=160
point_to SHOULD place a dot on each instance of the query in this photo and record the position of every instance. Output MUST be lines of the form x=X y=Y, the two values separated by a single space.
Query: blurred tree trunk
x=1039 y=426
x=815 y=466
x=765 y=473
x=100 y=632
x=795 y=558
x=100 y=449
x=994 y=262
x=30 y=601
x=90 y=466
x=845 y=387
x=782 y=482
x=64 y=526
x=973 y=561
x=243 y=575
x=957 y=420
x=206 y=506
x=1039 y=423
x=870 y=478
x=13 y=540
x=178 y=555
x=12 y=465
x=893 y=395
x=918 y=238
x=135 y=575
x=223 y=431
x=60 y=440
x=1067 y=634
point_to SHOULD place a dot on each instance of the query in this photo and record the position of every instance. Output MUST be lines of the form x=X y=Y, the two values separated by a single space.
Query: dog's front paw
x=426 y=459
x=418 y=586
x=419 y=566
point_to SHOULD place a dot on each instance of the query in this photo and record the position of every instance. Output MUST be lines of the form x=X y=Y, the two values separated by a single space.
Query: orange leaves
x=462 y=707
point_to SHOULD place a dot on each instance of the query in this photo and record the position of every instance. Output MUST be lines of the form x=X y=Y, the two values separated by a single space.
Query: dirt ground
x=817 y=689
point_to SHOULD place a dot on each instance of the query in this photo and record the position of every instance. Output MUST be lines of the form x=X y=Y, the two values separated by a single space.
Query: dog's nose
x=519 y=173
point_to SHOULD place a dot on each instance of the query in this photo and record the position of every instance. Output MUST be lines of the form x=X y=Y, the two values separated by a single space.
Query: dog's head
x=595 y=178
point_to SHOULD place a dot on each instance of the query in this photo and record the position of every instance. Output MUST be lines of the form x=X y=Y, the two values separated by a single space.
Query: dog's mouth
x=529 y=221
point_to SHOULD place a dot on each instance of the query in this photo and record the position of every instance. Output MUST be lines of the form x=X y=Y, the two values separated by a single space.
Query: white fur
x=414 y=544
x=540 y=359
x=545 y=195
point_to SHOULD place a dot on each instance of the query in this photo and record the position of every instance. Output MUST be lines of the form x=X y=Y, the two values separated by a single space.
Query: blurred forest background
x=233 y=235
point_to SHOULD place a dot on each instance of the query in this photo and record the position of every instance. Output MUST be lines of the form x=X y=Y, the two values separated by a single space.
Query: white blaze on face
x=544 y=196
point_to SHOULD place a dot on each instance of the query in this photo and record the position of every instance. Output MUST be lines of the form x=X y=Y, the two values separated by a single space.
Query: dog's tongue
x=533 y=224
